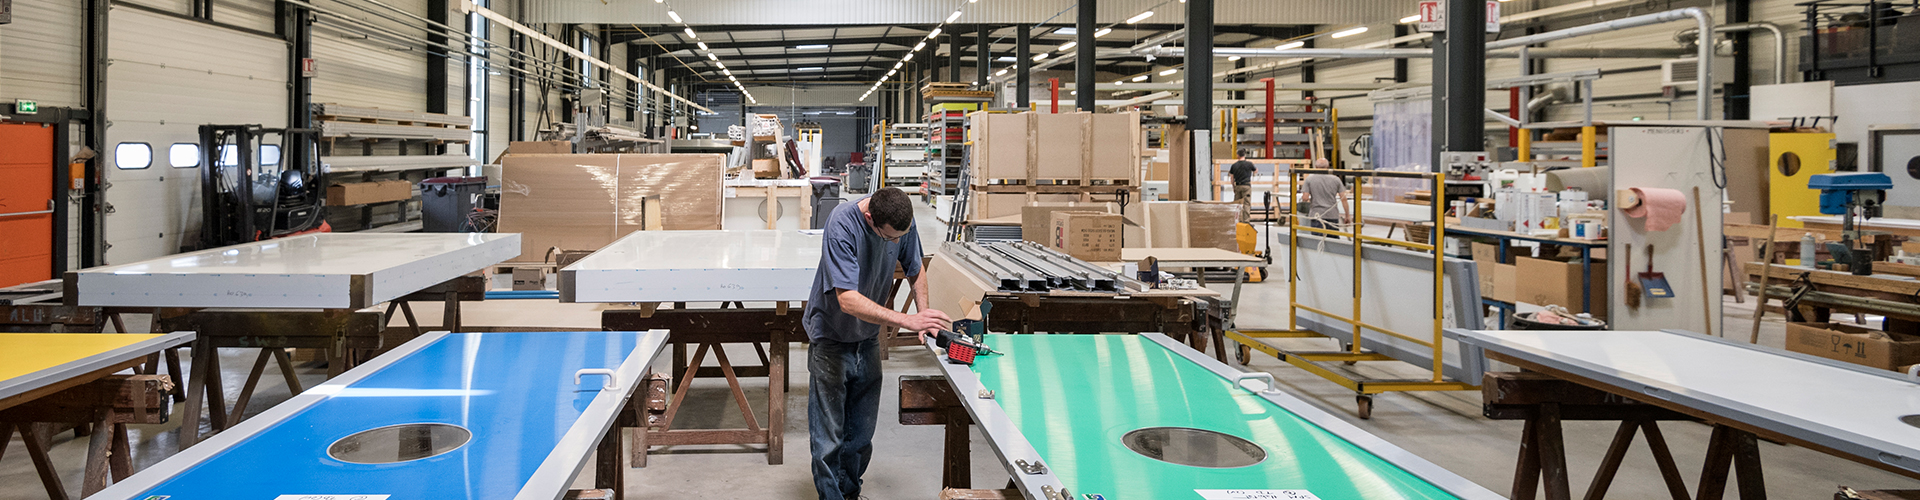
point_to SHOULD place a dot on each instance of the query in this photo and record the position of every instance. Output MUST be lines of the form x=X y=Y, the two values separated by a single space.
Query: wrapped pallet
x=1046 y=148
x=584 y=202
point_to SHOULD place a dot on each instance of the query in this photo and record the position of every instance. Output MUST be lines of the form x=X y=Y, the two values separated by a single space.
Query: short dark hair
x=891 y=206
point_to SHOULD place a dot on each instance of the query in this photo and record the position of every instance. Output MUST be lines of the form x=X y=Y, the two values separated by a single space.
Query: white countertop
x=311 y=271
x=697 y=266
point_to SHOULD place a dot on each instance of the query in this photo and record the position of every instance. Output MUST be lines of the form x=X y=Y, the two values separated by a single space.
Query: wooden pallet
x=383 y=121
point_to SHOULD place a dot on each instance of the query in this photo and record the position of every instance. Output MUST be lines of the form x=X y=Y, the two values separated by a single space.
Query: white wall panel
x=254 y=14
x=357 y=69
x=169 y=76
x=42 y=52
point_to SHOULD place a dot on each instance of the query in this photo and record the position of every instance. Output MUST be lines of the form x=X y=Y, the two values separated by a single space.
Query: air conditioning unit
x=1683 y=72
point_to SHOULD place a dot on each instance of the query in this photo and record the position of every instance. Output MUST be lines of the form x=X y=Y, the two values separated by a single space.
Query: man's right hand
x=927 y=321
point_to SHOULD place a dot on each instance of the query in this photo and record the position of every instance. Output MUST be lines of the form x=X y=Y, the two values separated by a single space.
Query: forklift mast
x=252 y=190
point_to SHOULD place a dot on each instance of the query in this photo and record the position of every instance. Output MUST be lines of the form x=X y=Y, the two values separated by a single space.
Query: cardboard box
x=540 y=147
x=1036 y=220
x=1158 y=170
x=1505 y=282
x=1860 y=346
x=1088 y=236
x=584 y=202
x=766 y=169
x=529 y=278
x=360 y=193
x=995 y=205
x=1556 y=282
x=1177 y=224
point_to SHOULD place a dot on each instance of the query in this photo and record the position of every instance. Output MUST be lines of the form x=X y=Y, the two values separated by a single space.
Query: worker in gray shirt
x=1326 y=198
x=861 y=245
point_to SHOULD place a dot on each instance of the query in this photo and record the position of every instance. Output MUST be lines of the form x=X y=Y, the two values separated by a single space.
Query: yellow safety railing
x=1355 y=350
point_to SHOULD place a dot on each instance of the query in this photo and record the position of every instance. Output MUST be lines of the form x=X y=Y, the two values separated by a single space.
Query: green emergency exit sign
x=26 y=107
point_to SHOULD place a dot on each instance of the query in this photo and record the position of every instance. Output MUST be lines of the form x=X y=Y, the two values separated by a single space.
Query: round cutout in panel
x=1194 y=447
x=399 y=443
x=1913 y=167
x=1789 y=163
x=1913 y=420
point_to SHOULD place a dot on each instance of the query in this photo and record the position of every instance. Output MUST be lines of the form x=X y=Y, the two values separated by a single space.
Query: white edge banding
x=1007 y=440
x=1405 y=460
x=186 y=459
x=555 y=475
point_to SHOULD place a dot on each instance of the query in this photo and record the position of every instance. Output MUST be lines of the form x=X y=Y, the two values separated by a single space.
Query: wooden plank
x=1900 y=288
x=49 y=389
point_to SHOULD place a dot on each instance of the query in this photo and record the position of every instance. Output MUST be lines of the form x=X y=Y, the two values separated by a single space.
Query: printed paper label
x=1256 y=495
x=331 y=497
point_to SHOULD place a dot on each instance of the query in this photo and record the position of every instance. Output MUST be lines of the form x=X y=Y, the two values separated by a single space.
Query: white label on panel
x=1256 y=495
x=331 y=497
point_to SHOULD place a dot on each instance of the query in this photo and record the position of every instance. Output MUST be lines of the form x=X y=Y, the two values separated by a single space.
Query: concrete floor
x=1445 y=428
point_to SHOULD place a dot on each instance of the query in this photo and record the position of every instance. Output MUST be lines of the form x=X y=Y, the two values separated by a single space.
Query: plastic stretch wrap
x=1402 y=142
x=584 y=202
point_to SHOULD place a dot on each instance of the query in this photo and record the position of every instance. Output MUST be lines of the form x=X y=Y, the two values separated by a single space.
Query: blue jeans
x=843 y=406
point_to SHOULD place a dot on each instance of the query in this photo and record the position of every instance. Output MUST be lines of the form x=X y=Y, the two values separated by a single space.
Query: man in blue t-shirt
x=862 y=243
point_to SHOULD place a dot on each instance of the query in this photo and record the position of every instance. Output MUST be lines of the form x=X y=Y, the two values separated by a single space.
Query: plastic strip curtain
x=1402 y=142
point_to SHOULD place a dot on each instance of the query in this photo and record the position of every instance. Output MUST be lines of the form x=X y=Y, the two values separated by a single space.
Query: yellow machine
x=1794 y=157
x=1249 y=242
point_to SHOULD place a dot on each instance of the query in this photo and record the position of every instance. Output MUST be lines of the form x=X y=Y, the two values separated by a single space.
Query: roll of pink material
x=1661 y=207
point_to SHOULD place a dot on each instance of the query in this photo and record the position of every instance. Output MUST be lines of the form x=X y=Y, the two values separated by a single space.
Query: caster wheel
x=1365 y=404
x=1346 y=347
x=1245 y=355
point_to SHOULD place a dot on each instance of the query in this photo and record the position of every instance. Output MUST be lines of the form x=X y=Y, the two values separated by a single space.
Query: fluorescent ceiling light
x=723 y=65
x=1068 y=45
x=891 y=72
x=1140 y=17
x=703 y=45
x=1001 y=73
x=921 y=45
x=1119 y=82
x=1067 y=31
x=1410 y=19
x=1042 y=55
x=1169 y=71
x=690 y=33
x=1290 y=45
x=955 y=15
x=908 y=58
x=809 y=47
x=713 y=57
x=1004 y=59
x=810 y=68
x=674 y=15
x=934 y=33
x=1233 y=58
x=897 y=65
x=1102 y=32
x=1351 y=32
x=659 y=1
x=1140 y=78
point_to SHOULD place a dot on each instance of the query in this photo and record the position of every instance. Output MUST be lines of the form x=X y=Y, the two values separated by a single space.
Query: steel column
x=93 y=245
x=1023 y=66
x=437 y=60
x=1084 y=59
x=1199 y=97
x=983 y=53
x=1737 y=91
x=953 y=55
x=1466 y=76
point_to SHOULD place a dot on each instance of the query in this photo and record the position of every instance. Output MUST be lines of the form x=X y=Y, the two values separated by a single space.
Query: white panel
x=42 y=52
x=1862 y=106
x=168 y=77
x=313 y=271
x=1792 y=100
x=1671 y=158
x=655 y=266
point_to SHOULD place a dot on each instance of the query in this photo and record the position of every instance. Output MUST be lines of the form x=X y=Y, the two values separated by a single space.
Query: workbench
x=68 y=379
x=1893 y=296
x=650 y=268
x=446 y=415
x=1151 y=418
x=314 y=291
x=1502 y=240
x=1188 y=315
x=1744 y=391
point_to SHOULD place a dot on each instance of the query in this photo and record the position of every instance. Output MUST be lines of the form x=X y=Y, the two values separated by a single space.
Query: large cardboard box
x=1088 y=236
x=1557 y=282
x=1036 y=220
x=766 y=169
x=360 y=193
x=1860 y=346
x=540 y=147
x=1505 y=286
x=584 y=202
x=995 y=205
x=1055 y=146
x=1195 y=224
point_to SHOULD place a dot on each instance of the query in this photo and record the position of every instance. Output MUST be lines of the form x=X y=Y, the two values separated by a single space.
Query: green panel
x=1074 y=396
x=957 y=106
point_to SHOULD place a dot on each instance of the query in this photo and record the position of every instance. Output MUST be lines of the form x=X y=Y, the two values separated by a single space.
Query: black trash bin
x=826 y=196
x=445 y=203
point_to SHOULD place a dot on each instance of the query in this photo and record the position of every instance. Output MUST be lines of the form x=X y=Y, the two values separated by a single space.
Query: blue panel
x=514 y=391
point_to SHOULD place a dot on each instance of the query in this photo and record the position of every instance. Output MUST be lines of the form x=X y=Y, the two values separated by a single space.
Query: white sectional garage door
x=169 y=76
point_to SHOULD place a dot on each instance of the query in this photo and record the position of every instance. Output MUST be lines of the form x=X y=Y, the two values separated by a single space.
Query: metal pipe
x=1779 y=43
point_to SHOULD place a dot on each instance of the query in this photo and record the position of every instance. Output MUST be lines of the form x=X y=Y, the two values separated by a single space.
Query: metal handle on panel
x=18 y=214
x=1913 y=374
x=613 y=379
x=1272 y=386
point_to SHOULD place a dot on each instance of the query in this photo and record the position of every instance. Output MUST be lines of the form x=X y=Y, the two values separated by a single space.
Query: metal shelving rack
x=901 y=149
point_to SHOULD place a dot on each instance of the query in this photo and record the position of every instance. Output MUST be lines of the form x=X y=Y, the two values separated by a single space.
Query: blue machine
x=1839 y=194
x=1837 y=190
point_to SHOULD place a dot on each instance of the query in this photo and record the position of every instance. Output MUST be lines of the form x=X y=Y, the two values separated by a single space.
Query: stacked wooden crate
x=1024 y=158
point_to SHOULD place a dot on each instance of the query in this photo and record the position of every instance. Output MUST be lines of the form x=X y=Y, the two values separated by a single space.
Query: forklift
x=252 y=189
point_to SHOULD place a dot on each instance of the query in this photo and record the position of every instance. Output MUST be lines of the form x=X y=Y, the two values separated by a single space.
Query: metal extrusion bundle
x=1022 y=266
